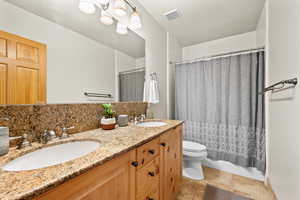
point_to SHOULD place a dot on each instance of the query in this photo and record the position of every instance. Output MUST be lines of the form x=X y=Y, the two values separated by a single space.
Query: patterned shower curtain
x=221 y=102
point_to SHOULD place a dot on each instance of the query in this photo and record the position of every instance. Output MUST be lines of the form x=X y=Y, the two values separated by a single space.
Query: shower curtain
x=131 y=86
x=221 y=103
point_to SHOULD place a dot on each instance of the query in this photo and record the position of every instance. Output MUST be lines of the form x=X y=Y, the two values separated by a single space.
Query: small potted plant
x=108 y=121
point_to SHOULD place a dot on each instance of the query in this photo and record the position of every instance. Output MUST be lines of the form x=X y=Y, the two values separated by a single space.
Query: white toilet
x=193 y=155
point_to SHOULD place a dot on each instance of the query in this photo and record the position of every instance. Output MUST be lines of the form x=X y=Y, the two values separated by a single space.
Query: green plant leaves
x=108 y=111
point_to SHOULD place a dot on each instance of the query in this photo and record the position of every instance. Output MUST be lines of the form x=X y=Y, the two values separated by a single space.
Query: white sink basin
x=52 y=155
x=151 y=124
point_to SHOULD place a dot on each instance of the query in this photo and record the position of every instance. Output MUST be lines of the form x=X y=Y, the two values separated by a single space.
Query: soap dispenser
x=4 y=138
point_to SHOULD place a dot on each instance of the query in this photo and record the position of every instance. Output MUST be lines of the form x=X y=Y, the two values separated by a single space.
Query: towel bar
x=89 y=94
x=293 y=81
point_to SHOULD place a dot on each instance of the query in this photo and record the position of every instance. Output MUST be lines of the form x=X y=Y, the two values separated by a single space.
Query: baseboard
x=269 y=185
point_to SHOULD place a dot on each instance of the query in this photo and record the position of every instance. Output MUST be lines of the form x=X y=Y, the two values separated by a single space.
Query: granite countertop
x=31 y=183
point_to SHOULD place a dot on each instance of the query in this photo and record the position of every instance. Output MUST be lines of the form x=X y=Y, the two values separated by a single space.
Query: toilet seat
x=199 y=155
x=193 y=147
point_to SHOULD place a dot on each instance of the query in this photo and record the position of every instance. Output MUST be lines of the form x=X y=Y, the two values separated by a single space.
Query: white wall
x=156 y=56
x=261 y=29
x=124 y=62
x=140 y=62
x=174 y=55
x=284 y=59
x=224 y=45
x=75 y=64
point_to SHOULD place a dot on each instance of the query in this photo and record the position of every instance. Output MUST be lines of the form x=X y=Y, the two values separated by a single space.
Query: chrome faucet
x=47 y=136
x=24 y=142
x=139 y=118
x=4 y=119
x=65 y=132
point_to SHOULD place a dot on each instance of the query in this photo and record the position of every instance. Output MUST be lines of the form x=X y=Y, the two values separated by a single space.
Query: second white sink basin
x=151 y=124
x=52 y=155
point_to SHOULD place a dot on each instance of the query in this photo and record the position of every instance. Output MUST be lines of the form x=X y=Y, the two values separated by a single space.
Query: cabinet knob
x=151 y=151
x=148 y=198
x=151 y=174
x=163 y=144
x=135 y=163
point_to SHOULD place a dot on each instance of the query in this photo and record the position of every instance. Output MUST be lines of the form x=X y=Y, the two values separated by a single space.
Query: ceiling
x=67 y=14
x=205 y=20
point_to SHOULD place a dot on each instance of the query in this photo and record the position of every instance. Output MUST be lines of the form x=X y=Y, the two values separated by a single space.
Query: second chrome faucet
x=49 y=135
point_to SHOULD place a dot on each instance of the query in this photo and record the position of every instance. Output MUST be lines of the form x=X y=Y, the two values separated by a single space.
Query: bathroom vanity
x=132 y=163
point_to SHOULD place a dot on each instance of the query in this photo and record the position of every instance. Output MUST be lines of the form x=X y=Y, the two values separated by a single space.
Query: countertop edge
x=35 y=193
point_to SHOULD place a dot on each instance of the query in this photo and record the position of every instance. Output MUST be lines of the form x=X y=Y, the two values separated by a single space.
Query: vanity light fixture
x=120 y=8
x=135 y=21
x=106 y=18
x=103 y=2
x=122 y=28
x=87 y=6
x=121 y=11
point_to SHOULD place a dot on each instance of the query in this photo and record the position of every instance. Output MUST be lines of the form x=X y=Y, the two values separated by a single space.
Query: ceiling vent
x=173 y=14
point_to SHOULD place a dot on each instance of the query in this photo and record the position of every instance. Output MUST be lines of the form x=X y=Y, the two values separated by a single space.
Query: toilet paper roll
x=4 y=140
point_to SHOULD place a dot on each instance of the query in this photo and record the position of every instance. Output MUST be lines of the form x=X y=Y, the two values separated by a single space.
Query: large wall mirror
x=68 y=57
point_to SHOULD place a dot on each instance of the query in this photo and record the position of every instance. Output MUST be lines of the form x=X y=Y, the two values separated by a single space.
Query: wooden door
x=22 y=70
x=114 y=180
x=171 y=163
x=3 y=83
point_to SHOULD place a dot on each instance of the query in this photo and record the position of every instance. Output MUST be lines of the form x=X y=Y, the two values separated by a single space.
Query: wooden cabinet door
x=178 y=157
x=22 y=70
x=147 y=181
x=114 y=180
x=171 y=164
x=147 y=152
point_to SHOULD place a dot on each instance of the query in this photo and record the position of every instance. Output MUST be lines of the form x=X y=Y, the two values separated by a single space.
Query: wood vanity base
x=152 y=171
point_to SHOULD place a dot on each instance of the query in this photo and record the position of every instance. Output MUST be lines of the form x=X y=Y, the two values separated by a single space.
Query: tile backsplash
x=34 y=119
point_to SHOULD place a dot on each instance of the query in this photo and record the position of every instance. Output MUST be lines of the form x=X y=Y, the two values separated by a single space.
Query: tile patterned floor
x=253 y=189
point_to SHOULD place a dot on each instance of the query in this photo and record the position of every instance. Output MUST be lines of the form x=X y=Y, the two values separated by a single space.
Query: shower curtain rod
x=205 y=58
x=133 y=70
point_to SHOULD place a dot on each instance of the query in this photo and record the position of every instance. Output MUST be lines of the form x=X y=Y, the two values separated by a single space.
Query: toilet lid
x=193 y=146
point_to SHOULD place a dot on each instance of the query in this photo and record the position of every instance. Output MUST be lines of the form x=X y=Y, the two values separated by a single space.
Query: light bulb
x=120 y=8
x=135 y=21
x=87 y=6
x=106 y=18
x=121 y=29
